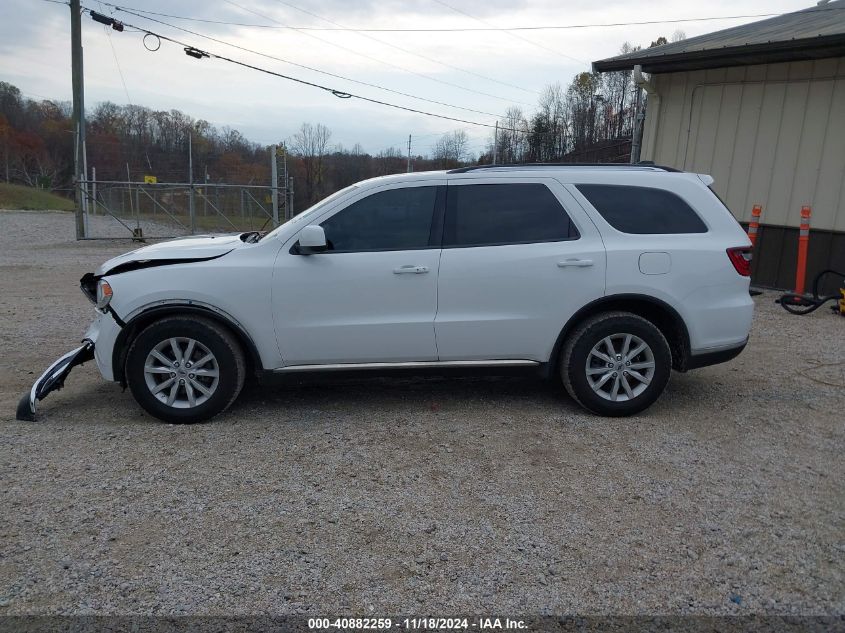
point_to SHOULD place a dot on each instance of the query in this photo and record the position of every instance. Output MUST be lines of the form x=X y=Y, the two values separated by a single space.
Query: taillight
x=740 y=257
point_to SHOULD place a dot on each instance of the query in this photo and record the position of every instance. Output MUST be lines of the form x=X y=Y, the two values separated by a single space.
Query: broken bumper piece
x=53 y=378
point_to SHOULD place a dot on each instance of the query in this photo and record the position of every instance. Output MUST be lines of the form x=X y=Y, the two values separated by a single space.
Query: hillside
x=29 y=198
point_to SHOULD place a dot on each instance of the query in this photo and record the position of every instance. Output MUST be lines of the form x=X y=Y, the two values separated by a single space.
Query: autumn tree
x=5 y=143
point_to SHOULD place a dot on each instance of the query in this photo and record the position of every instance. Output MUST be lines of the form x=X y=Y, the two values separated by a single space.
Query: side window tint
x=643 y=210
x=519 y=213
x=397 y=219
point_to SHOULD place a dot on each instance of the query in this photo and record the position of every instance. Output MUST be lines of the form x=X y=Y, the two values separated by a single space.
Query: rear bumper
x=704 y=359
x=719 y=317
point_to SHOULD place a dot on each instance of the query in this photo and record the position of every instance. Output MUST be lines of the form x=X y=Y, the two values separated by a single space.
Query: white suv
x=607 y=276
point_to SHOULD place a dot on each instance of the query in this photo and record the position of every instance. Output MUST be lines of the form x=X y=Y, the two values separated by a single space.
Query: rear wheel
x=616 y=364
x=184 y=370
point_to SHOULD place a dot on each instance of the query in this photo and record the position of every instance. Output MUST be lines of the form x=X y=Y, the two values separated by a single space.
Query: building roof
x=812 y=33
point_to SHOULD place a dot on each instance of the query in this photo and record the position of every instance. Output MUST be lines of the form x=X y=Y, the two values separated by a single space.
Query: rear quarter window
x=643 y=210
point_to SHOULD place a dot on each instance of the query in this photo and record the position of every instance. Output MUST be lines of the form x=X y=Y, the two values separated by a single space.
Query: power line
x=419 y=136
x=482 y=29
x=200 y=53
x=303 y=66
x=513 y=35
x=117 y=62
x=405 y=50
x=376 y=59
x=141 y=13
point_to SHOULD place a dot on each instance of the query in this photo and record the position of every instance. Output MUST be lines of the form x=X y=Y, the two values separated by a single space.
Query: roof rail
x=641 y=164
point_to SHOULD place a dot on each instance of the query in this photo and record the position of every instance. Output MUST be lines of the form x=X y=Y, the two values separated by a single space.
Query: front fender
x=141 y=317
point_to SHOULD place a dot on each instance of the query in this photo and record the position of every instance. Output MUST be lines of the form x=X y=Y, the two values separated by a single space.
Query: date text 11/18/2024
x=429 y=623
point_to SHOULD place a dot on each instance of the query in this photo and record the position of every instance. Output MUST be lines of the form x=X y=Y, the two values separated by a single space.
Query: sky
x=483 y=72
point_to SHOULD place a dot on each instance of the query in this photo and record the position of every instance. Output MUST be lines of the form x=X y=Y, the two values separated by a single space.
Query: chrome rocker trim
x=407 y=365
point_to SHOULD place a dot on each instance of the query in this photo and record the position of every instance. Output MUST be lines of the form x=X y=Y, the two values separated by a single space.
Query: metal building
x=760 y=107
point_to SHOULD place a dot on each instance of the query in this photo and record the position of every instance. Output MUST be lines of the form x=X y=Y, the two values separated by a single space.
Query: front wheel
x=184 y=370
x=616 y=364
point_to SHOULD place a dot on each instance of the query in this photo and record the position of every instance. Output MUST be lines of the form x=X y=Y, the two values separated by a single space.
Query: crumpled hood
x=187 y=249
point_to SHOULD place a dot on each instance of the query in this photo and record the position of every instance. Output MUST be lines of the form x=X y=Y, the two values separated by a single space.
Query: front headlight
x=104 y=294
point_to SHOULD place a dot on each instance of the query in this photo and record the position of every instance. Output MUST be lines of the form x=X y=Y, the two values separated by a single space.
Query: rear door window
x=507 y=213
x=643 y=210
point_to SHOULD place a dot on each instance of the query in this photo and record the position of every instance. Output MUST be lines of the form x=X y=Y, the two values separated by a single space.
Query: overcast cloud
x=35 y=56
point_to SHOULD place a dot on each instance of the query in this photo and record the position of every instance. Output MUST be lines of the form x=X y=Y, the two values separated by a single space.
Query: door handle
x=410 y=270
x=575 y=263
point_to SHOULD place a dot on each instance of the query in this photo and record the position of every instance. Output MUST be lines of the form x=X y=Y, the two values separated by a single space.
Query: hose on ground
x=805 y=304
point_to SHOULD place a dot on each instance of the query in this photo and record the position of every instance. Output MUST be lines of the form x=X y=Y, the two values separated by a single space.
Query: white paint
x=512 y=301
x=655 y=263
x=488 y=303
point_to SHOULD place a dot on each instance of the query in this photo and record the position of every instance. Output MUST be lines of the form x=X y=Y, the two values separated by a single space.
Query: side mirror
x=312 y=239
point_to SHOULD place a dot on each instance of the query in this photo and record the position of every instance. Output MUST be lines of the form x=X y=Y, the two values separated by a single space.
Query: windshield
x=310 y=211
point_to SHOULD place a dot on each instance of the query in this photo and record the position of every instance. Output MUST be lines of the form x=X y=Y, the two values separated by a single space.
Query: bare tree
x=513 y=137
x=616 y=114
x=583 y=102
x=548 y=134
x=389 y=161
x=311 y=144
x=451 y=148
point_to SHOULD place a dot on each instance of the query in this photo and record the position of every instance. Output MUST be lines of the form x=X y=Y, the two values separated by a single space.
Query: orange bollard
x=803 y=243
x=754 y=225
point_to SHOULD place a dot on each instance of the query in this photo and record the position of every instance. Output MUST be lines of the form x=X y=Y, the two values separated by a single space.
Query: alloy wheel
x=620 y=367
x=181 y=372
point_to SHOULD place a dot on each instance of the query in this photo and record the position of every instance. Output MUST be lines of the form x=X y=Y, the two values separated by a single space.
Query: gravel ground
x=417 y=496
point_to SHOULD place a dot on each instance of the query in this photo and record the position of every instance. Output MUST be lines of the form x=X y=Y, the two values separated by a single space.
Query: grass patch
x=32 y=199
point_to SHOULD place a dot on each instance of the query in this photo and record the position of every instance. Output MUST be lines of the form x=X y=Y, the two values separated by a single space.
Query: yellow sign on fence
x=150 y=180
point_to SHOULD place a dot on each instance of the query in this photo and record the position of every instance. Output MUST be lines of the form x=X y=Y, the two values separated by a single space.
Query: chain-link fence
x=115 y=209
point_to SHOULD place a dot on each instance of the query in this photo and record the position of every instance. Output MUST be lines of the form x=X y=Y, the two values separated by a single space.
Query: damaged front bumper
x=53 y=379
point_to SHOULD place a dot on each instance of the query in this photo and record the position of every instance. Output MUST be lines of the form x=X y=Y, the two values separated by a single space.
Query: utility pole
x=274 y=183
x=409 y=153
x=288 y=216
x=191 y=214
x=636 y=141
x=78 y=83
x=496 y=143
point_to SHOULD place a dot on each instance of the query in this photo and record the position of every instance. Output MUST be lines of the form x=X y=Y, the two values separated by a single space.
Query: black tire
x=580 y=343
x=218 y=340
